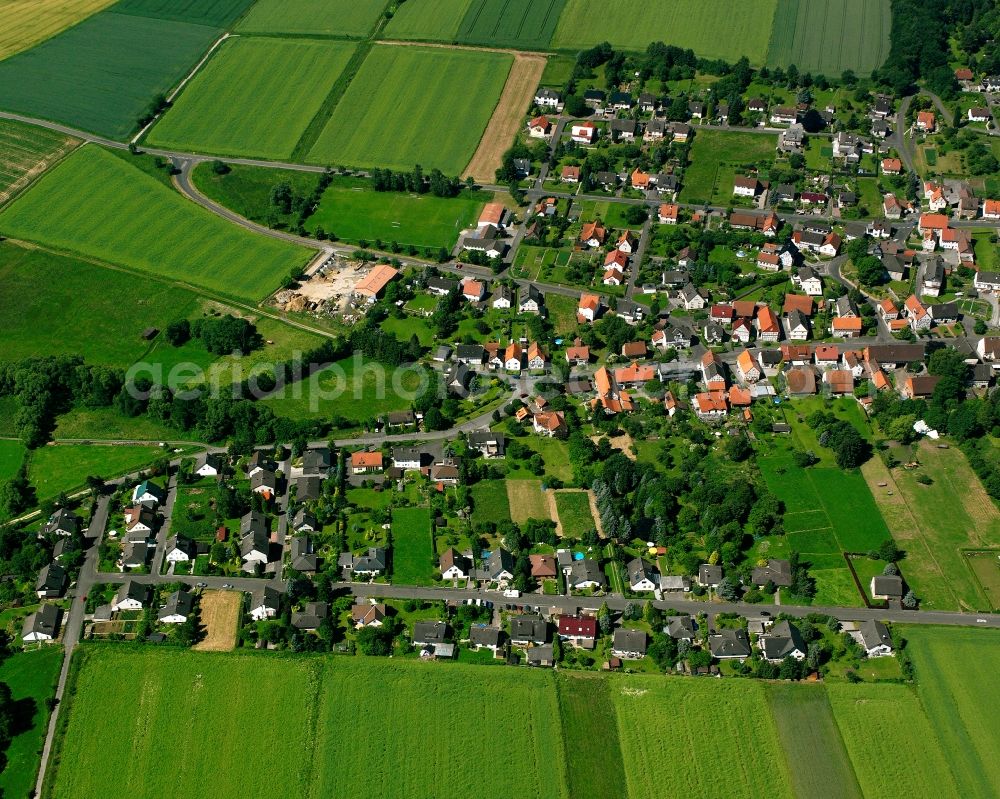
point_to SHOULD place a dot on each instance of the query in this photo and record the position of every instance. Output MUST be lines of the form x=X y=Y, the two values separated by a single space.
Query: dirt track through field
x=219 y=615
x=505 y=123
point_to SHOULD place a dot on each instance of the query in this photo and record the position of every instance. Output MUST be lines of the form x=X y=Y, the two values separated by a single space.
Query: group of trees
x=221 y=335
x=850 y=449
x=416 y=182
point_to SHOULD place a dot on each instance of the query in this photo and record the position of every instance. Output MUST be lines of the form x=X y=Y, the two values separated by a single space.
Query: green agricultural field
x=343 y=390
x=717 y=157
x=130 y=219
x=892 y=742
x=574 y=513
x=957 y=686
x=25 y=152
x=828 y=36
x=24 y=23
x=428 y=20
x=65 y=467
x=352 y=211
x=30 y=675
x=11 y=457
x=215 y=13
x=352 y=18
x=594 y=766
x=817 y=760
x=413 y=560
x=490 y=502
x=36 y=284
x=712 y=28
x=226 y=109
x=416 y=93
x=703 y=723
x=103 y=73
x=519 y=24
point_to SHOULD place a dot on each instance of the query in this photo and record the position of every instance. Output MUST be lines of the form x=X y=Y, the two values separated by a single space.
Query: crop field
x=36 y=284
x=226 y=109
x=818 y=764
x=828 y=36
x=594 y=767
x=354 y=212
x=215 y=13
x=892 y=742
x=129 y=218
x=31 y=676
x=64 y=467
x=526 y=500
x=712 y=28
x=11 y=456
x=25 y=23
x=428 y=20
x=705 y=723
x=26 y=152
x=957 y=686
x=935 y=565
x=490 y=503
x=417 y=94
x=574 y=513
x=356 y=392
x=351 y=18
x=716 y=158
x=519 y=24
x=103 y=73
x=412 y=546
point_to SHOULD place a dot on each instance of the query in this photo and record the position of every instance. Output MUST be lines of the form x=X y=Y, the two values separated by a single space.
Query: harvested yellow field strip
x=219 y=616
x=25 y=23
x=527 y=501
x=26 y=152
x=506 y=121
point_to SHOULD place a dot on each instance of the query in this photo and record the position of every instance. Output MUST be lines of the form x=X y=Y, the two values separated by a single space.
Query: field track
x=506 y=120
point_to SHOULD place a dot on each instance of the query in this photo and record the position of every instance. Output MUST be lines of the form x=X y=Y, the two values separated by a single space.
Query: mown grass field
x=96 y=204
x=429 y=20
x=414 y=105
x=593 y=767
x=103 y=73
x=574 y=513
x=226 y=109
x=31 y=676
x=526 y=500
x=353 y=18
x=490 y=502
x=828 y=36
x=717 y=157
x=343 y=389
x=97 y=423
x=11 y=457
x=37 y=285
x=65 y=467
x=25 y=152
x=518 y=24
x=935 y=566
x=216 y=13
x=25 y=23
x=412 y=546
x=712 y=28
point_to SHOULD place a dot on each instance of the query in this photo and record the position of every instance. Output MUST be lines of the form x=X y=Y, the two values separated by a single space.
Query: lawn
x=987 y=254
x=36 y=284
x=526 y=500
x=518 y=24
x=25 y=152
x=713 y=29
x=193 y=514
x=129 y=218
x=103 y=73
x=417 y=94
x=11 y=457
x=935 y=566
x=351 y=18
x=23 y=24
x=717 y=157
x=594 y=767
x=58 y=468
x=32 y=678
x=829 y=36
x=574 y=513
x=227 y=108
x=413 y=561
x=817 y=760
x=356 y=391
x=490 y=503
x=703 y=724
x=428 y=20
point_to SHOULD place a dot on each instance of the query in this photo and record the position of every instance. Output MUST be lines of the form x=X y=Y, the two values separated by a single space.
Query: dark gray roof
x=374 y=560
x=304 y=559
x=305 y=518
x=51 y=578
x=485 y=636
x=441 y=283
x=63 y=521
x=776 y=571
x=470 y=352
x=873 y=634
x=316 y=461
x=529 y=628
x=253 y=523
x=586 y=570
x=890 y=585
x=178 y=603
x=539 y=654
x=310 y=617
x=44 y=620
x=629 y=641
x=680 y=627
x=308 y=488
x=499 y=561
x=783 y=639
x=429 y=632
x=729 y=643
x=140 y=592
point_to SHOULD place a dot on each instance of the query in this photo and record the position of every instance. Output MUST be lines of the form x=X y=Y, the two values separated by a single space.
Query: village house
x=264 y=603
x=455 y=566
x=540 y=128
x=729 y=644
x=43 y=624
x=179 y=606
x=642 y=577
x=783 y=640
x=370 y=614
x=628 y=644
x=578 y=631
x=583 y=132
